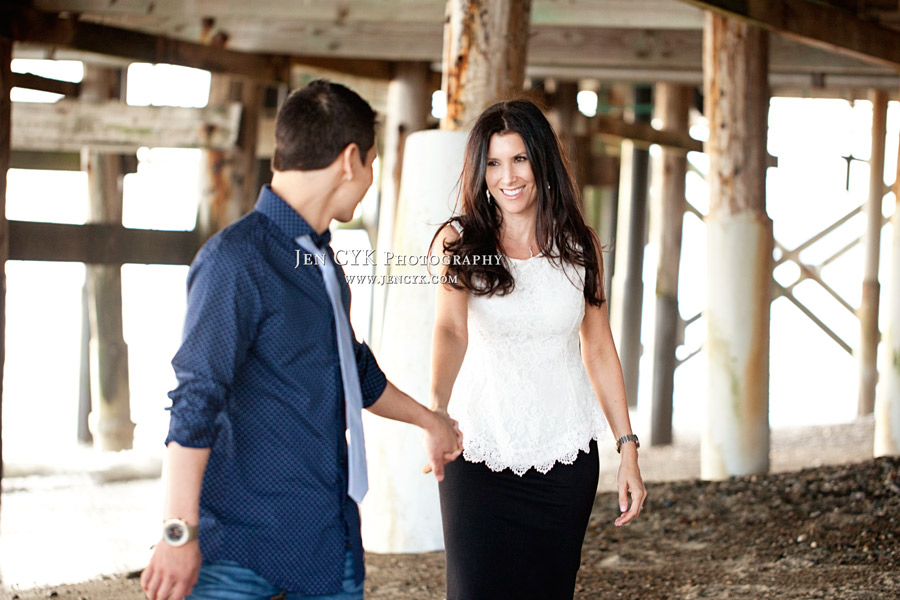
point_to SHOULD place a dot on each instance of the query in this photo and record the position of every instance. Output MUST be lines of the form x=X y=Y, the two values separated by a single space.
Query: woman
x=519 y=340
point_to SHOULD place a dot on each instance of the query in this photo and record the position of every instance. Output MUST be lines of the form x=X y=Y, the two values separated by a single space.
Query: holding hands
x=443 y=443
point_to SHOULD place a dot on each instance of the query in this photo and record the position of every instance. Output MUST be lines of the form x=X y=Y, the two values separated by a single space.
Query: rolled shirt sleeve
x=371 y=378
x=224 y=305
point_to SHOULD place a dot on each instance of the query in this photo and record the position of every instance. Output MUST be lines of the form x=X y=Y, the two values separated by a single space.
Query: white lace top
x=522 y=398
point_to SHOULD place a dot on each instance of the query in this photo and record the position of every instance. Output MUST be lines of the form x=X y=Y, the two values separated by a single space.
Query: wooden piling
x=867 y=353
x=230 y=179
x=735 y=440
x=887 y=407
x=627 y=296
x=485 y=49
x=111 y=401
x=5 y=126
x=667 y=218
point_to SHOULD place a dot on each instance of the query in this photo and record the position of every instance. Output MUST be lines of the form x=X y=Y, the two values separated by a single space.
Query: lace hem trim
x=478 y=453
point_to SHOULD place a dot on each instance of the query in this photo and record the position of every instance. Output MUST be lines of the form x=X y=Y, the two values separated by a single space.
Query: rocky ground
x=827 y=532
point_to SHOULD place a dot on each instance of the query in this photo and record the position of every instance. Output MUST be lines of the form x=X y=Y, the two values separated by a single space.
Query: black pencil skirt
x=512 y=537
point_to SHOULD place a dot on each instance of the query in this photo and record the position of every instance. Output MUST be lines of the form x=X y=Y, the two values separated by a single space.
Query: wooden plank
x=485 y=50
x=644 y=134
x=100 y=244
x=27 y=25
x=44 y=84
x=815 y=23
x=69 y=125
x=582 y=13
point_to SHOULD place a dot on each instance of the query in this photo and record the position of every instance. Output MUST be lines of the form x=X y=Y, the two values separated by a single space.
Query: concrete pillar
x=401 y=512
x=111 y=398
x=867 y=352
x=667 y=217
x=739 y=250
x=627 y=295
x=485 y=49
x=887 y=409
x=407 y=109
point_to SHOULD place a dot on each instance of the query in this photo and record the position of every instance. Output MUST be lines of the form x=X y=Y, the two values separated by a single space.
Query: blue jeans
x=227 y=580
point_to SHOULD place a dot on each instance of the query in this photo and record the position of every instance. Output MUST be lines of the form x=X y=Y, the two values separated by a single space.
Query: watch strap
x=625 y=439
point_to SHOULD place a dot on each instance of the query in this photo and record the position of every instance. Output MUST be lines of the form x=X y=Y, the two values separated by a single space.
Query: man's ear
x=348 y=156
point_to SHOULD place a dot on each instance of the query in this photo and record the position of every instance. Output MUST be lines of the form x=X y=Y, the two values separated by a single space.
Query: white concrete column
x=401 y=512
x=407 y=109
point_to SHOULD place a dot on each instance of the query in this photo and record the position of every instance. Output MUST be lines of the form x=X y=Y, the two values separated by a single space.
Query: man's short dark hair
x=317 y=122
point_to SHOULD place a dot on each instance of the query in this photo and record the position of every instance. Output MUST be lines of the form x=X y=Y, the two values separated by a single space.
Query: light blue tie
x=358 y=483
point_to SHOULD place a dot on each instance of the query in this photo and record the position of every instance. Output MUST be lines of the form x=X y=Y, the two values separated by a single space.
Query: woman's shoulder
x=451 y=230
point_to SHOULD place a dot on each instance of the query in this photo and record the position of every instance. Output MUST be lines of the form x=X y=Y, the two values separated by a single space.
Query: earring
x=488 y=194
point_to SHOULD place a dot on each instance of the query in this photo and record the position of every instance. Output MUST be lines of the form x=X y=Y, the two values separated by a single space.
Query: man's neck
x=308 y=193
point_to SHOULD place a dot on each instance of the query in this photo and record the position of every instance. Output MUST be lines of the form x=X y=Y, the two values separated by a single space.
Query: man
x=257 y=452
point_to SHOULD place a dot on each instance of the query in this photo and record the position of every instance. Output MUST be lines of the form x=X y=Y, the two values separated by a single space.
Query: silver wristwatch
x=176 y=532
x=625 y=439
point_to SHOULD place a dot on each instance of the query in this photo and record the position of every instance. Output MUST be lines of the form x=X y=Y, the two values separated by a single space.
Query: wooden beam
x=100 y=244
x=69 y=125
x=644 y=134
x=485 y=50
x=44 y=84
x=582 y=13
x=815 y=23
x=27 y=25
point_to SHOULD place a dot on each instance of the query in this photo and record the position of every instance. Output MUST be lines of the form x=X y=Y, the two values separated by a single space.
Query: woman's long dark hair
x=562 y=234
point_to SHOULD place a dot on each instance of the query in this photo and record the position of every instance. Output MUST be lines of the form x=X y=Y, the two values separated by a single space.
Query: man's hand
x=172 y=571
x=443 y=443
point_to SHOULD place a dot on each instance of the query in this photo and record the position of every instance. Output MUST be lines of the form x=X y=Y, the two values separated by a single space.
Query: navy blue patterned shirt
x=259 y=383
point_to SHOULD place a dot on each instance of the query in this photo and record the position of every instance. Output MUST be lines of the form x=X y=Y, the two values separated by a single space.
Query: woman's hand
x=443 y=443
x=629 y=482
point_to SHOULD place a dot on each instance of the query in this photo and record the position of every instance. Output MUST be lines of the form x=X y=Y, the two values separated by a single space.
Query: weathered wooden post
x=667 y=217
x=485 y=48
x=111 y=399
x=229 y=183
x=407 y=110
x=739 y=250
x=5 y=126
x=626 y=298
x=867 y=353
x=887 y=409
x=401 y=511
x=230 y=179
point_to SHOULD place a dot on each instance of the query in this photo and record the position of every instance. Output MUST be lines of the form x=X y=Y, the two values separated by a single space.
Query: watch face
x=174 y=532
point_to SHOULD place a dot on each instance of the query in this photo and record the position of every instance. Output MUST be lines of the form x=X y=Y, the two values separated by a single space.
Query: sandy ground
x=745 y=538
